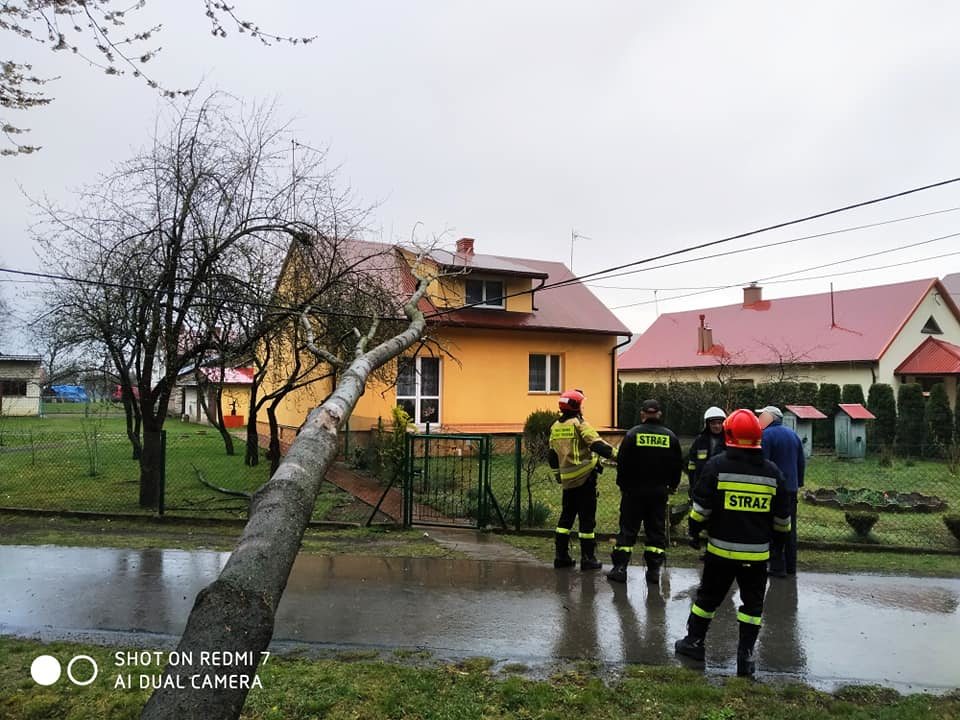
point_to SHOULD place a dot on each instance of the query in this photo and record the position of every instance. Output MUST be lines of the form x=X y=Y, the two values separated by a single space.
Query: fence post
x=407 y=480
x=161 y=500
x=517 y=481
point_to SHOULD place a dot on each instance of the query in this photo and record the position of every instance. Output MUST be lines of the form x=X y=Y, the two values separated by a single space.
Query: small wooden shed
x=800 y=419
x=850 y=430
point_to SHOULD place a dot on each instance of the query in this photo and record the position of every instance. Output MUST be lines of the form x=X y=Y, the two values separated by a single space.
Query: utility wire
x=700 y=246
x=763 y=247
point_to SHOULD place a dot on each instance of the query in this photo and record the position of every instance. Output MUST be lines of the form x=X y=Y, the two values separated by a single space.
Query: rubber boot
x=746 y=666
x=691 y=645
x=562 y=558
x=654 y=562
x=620 y=560
x=588 y=555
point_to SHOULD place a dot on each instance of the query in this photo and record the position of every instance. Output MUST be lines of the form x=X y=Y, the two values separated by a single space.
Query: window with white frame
x=418 y=388
x=544 y=375
x=484 y=293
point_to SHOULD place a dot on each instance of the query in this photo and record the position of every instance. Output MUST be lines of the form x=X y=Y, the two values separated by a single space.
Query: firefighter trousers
x=648 y=510
x=719 y=574
x=581 y=502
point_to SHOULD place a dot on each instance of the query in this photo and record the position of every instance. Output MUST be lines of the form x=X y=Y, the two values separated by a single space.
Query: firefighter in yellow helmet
x=575 y=452
x=741 y=500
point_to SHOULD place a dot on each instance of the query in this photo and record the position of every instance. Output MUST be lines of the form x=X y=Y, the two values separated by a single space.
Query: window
x=13 y=388
x=544 y=373
x=931 y=327
x=418 y=388
x=485 y=293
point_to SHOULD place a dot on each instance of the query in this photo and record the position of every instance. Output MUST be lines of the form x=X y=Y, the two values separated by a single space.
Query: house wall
x=21 y=405
x=487 y=390
x=841 y=374
x=191 y=406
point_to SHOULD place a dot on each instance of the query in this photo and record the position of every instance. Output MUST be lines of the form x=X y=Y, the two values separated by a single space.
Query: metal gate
x=447 y=482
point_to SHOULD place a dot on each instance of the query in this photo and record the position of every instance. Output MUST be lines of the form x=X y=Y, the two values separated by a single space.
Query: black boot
x=620 y=560
x=654 y=562
x=691 y=645
x=562 y=558
x=746 y=666
x=588 y=555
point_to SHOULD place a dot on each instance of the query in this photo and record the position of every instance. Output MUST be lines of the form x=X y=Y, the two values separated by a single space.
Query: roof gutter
x=616 y=380
x=533 y=293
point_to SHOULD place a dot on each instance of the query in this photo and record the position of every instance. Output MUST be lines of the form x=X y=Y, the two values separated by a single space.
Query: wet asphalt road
x=826 y=630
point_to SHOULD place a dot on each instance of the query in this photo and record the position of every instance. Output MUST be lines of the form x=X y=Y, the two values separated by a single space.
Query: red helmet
x=742 y=429
x=571 y=401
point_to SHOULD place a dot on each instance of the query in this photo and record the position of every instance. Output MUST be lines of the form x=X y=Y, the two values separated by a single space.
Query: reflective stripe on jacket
x=742 y=499
x=570 y=439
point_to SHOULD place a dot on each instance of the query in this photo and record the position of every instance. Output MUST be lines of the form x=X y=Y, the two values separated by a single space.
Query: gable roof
x=860 y=327
x=932 y=357
x=856 y=411
x=806 y=412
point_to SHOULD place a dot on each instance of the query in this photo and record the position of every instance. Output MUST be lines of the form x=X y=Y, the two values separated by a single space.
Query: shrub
x=629 y=402
x=828 y=397
x=880 y=402
x=910 y=408
x=861 y=522
x=536 y=448
x=539 y=513
x=852 y=393
x=937 y=422
x=953 y=524
x=806 y=394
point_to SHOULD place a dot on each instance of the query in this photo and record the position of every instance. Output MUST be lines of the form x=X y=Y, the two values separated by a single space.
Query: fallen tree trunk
x=235 y=613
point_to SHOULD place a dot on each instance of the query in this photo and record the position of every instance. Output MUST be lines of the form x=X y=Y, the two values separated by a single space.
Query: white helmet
x=714 y=413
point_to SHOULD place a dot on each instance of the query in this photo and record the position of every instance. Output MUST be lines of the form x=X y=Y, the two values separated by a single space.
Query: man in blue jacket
x=784 y=448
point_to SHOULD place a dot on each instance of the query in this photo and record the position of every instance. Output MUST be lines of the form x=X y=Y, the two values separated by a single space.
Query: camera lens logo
x=46 y=670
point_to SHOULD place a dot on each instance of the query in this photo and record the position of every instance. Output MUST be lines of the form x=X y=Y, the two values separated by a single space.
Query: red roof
x=932 y=357
x=856 y=411
x=806 y=412
x=570 y=307
x=804 y=329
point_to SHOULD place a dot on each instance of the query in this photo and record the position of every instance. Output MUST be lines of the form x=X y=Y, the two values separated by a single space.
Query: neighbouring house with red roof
x=904 y=332
x=507 y=336
x=234 y=399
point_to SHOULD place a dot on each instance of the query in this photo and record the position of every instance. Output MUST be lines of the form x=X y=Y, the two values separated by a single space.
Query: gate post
x=407 y=480
x=517 y=481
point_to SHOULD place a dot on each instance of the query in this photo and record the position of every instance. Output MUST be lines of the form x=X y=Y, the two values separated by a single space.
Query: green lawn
x=409 y=684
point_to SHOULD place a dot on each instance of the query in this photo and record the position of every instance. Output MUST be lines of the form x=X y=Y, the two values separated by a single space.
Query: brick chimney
x=752 y=294
x=465 y=246
x=704 y=337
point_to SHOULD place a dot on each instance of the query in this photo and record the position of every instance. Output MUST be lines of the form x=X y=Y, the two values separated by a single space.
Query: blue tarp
x=70 y=393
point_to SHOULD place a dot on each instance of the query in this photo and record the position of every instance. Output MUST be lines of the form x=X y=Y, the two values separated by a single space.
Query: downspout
x=616 y=380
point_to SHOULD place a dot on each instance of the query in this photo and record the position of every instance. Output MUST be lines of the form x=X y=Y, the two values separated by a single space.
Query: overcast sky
x=643 y=127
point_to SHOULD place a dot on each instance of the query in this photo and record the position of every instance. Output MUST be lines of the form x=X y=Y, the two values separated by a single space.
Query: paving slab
x=824 y=629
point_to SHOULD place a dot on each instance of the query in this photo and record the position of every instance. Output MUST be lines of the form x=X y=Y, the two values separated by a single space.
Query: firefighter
x=707 y=444
x=575 y=452
x=741 y=500
x=649 y=466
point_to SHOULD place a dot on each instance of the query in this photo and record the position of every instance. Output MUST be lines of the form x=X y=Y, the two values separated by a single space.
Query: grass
x=162 y=533
x=298 y=688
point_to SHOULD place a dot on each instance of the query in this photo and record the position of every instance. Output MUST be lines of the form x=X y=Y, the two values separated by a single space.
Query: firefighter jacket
x=650 y=460
x=575 y=450
x=704 y=447
x=741 y=498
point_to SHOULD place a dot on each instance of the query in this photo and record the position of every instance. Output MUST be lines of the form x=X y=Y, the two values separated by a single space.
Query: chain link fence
x=883 y=500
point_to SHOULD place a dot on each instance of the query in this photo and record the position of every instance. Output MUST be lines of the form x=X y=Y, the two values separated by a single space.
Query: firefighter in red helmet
x=741 y=500
x=575 y=452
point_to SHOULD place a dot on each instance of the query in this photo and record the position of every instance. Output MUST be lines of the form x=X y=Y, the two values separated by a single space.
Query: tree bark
x=236 y=612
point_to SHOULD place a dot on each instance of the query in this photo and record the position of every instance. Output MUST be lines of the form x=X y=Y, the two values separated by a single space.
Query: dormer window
x=485 y=293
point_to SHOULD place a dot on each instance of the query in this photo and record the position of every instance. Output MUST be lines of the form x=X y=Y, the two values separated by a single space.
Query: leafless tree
x=236 y=612
x=96 y=32
x=156 y=245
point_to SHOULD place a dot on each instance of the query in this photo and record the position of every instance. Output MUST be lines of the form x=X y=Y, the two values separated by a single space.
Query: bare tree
x=236 y=612
x=156 y=244
x=95 y=31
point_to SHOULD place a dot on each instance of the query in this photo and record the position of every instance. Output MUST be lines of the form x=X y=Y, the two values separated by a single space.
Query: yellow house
x=507 y=336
